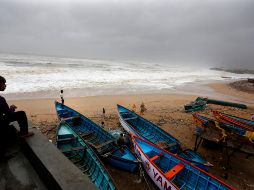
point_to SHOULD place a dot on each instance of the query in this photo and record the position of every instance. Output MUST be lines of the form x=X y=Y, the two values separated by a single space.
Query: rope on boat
x=142 y=174
x=224 y=135
x=250 y=135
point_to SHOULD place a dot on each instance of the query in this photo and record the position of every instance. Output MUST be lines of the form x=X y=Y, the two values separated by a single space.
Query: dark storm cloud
x=212 y=32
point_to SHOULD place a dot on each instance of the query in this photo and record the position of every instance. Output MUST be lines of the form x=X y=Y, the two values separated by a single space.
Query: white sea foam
x=36 y=73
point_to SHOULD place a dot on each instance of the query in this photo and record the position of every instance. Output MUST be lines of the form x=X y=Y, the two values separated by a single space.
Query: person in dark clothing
x=62 y=98
x=121 y=140
x=104 y=112
x=8 y=114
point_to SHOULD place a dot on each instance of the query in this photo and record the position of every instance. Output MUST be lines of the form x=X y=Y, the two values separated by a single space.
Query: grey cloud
x=208 y=32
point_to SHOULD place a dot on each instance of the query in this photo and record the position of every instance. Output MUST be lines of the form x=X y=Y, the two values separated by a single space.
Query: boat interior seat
x=73 y=149
x=124 y=113
x=156 y=157
x=67 y=139
x=65 y=113
x=72 y=118
x=61 y=111
x=151 y=153
x=164 y=163
x=100 y=146
x=175 y=170
x=130 y=118
x=86 y=134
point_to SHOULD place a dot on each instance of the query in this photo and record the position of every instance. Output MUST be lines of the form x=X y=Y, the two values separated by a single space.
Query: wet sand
x=163 y=109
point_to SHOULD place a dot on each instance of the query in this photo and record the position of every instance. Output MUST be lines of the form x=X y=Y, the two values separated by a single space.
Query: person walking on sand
x=61 y=96
x=8 y=114
x=134 y=108
x=142 y=108
x=104 y=113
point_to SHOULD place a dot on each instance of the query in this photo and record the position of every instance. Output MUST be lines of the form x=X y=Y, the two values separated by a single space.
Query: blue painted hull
x=114 y=158
x=99 y=139
x=172 y=172
x=135 y=124
x=238 y=122
x=83 y=156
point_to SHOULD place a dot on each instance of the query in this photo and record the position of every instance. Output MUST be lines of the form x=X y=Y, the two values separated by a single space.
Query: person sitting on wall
x=8 y=114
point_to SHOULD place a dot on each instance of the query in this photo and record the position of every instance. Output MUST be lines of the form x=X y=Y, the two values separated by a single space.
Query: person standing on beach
x=8 y=114
x=142 y=108
x=103 y=113
x=134 y=108
x=61 y=96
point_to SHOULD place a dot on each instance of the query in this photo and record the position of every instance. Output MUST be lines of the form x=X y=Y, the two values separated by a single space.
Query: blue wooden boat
x=195 y=106
x=170 y=172
x=245 y=124
x=99 y=139
x=137 y=125
x=201 y=123
x=220 y=102
x=74 y=148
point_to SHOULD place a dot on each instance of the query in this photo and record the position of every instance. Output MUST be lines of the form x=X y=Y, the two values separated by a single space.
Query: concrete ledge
x=54 y=169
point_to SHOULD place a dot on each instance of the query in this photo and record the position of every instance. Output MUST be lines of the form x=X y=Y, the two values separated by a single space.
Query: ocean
x=46 y=76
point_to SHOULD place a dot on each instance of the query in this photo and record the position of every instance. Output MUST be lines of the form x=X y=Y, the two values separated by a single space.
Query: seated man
x=123 y=140
x=8 y=114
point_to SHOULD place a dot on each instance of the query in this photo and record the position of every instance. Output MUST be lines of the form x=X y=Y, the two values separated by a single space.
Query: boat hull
x=200 y=121
x=158 y=136
x=248 y=125
x=171 y=172
x=74 y=148
x=97 y=138
x=156 y=176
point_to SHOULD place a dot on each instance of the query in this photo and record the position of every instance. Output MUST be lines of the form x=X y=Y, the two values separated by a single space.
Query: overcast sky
x=211 y=32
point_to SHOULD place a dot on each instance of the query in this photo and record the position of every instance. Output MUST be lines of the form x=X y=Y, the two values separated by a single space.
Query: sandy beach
x=165 y=110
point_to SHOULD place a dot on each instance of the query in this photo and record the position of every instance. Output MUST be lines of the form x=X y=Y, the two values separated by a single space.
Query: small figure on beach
x=121 y=140
x=134 y=108
x=104 y=112
x=8 y=113
x=102 y=124
x=142 y=108
x=61 y=96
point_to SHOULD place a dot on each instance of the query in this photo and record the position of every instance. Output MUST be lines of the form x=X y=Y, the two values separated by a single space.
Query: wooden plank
x=169 y=145
x=72 y=149
x=124 y=113
x=73 y=118
x=66 y=139
x=86 y=134
x=175 y=170
x=156 y=157
x=130 y=118
x=103 y=144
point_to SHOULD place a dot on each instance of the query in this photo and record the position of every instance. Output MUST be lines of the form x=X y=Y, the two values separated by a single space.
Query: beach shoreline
x=91 y=104
x=190 y=88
